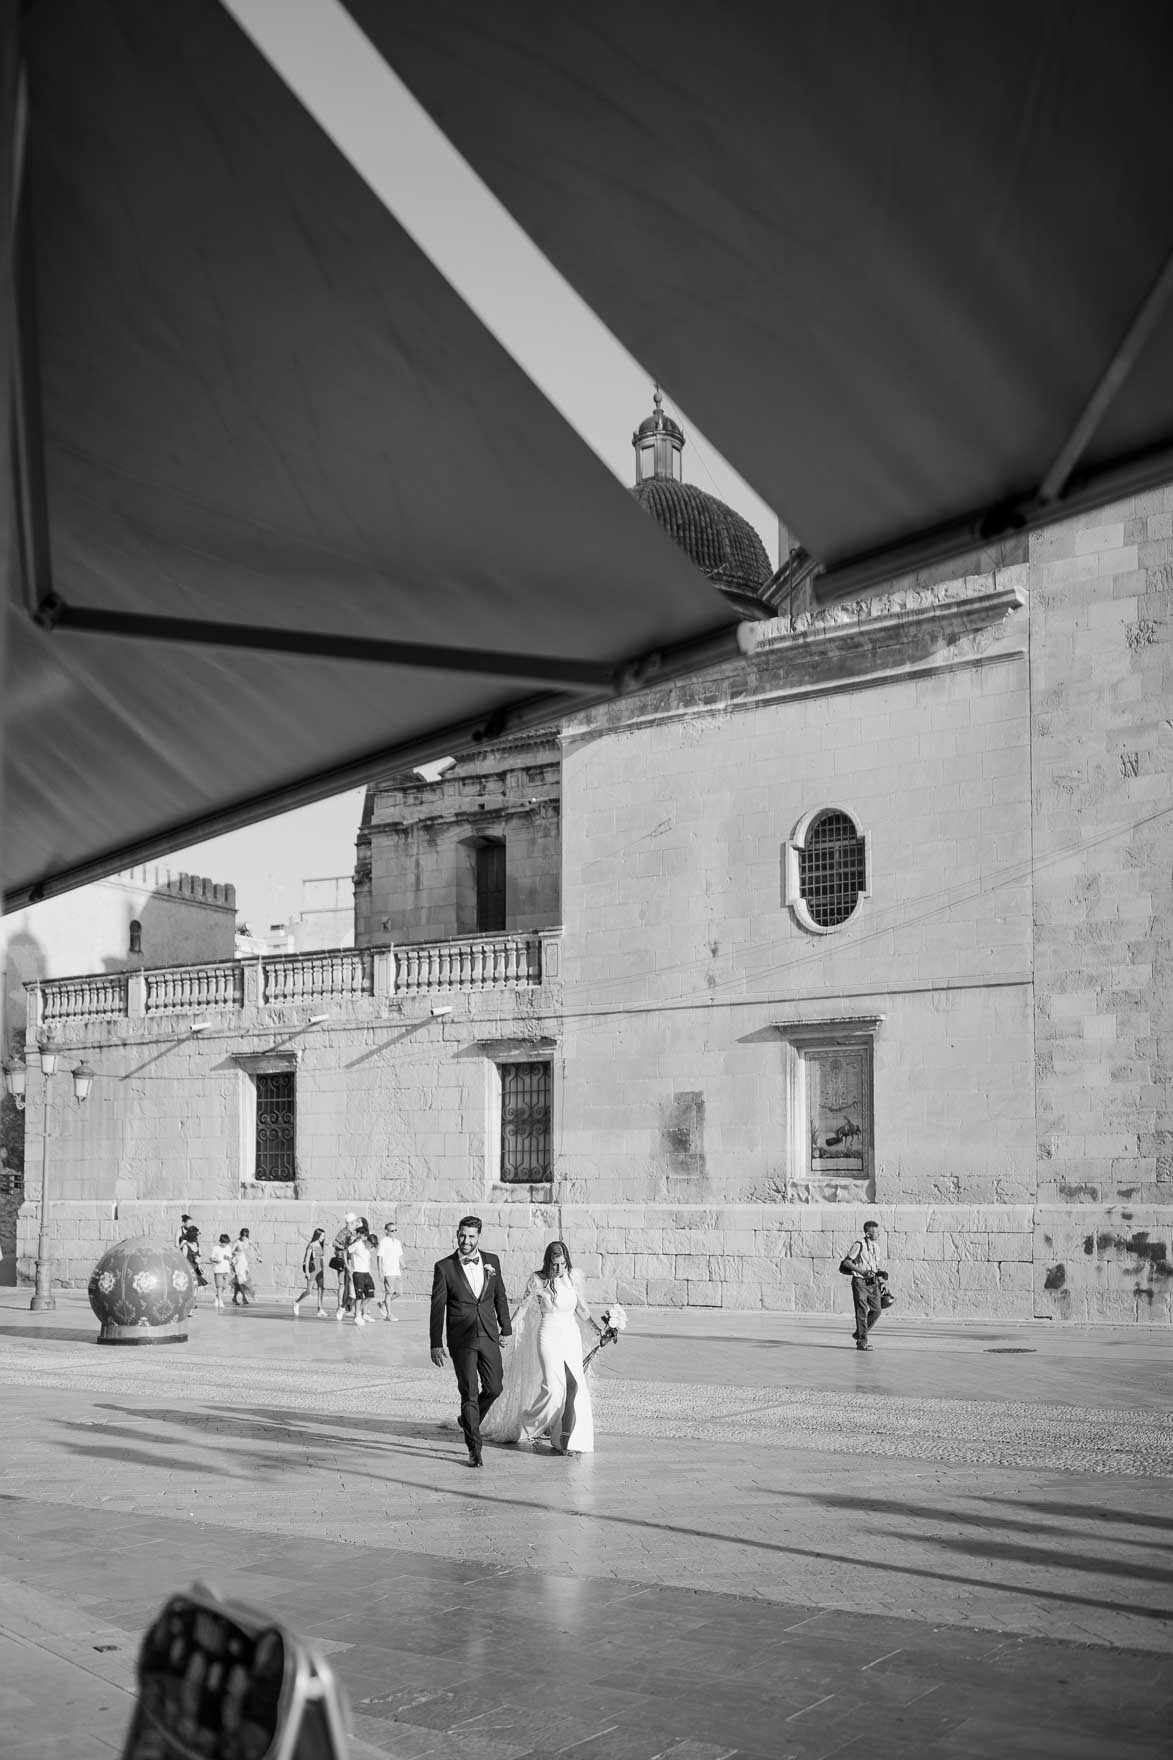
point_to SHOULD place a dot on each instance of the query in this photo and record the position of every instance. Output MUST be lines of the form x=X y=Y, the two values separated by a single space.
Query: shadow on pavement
x=277 y=1427
x=1078 y=1512
x=865 y=1505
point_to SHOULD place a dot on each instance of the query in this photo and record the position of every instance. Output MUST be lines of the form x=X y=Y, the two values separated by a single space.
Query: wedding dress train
x=545 y=1392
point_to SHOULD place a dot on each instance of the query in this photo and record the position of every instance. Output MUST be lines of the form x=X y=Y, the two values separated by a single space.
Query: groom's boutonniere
x=488 y=1270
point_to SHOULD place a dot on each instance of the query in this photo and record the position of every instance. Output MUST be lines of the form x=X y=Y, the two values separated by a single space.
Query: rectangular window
x=275 y=1128
x=490 y=858
x=525 y=1123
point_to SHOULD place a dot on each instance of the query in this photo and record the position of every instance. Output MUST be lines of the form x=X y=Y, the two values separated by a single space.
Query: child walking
x=390 y=1258
x=243 y=1254
x=313 y=1269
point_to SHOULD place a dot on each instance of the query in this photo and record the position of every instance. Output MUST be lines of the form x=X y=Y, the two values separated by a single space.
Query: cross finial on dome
x=656 y=397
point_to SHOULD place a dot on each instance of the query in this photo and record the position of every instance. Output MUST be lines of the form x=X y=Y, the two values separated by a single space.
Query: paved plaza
x=958 y=1545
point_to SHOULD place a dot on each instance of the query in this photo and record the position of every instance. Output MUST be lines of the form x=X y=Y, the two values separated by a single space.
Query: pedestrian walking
x=469 y=1304
x=340 y=1263
x=243 y=1254
x=189 y=1246
x=862 y=1265
x=313 y=1269
x=220 y=1262
x=361 y=1258
x=390 y=1264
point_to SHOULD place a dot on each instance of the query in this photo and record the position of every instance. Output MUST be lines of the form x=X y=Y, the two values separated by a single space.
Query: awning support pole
x=1112 y=378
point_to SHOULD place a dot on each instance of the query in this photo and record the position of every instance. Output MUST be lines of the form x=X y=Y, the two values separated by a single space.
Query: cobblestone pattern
x=963 y=1432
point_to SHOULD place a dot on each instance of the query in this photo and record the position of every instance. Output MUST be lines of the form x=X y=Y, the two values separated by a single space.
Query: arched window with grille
x=828 y=869
x=136 y=936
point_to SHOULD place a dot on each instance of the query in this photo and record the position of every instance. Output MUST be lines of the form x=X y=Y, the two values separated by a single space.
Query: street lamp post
x=15 y=1074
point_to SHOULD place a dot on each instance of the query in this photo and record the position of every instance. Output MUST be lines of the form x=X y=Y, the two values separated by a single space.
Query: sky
x=553 y=335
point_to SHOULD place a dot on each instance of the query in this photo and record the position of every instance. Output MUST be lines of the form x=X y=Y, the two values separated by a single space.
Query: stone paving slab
x=774 y=1551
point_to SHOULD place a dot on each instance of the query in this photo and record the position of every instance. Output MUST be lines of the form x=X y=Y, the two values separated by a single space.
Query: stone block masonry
x=1101 y=619
x=965 y=1261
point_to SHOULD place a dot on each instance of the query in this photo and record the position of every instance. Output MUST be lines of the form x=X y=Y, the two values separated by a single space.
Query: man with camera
x=868 y=1282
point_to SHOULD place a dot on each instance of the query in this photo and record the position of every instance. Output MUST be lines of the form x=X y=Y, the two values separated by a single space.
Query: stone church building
x=877 y=920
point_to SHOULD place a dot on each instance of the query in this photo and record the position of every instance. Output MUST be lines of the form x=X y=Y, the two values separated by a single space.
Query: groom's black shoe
x=474 y=1457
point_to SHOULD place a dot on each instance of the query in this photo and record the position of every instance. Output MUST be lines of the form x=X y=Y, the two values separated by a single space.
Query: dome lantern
x=659 y=444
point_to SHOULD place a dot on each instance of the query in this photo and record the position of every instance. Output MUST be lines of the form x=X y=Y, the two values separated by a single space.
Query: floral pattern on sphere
x=143 y=1284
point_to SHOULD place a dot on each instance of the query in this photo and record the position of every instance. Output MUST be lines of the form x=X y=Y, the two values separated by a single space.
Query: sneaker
x=296 y=1312
x=340 y=1315
x=322 y=1314
x=392 y=1316
x=360 y=1319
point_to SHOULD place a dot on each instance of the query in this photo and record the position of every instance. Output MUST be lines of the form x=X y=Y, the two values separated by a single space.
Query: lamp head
x=15 y=1077
x=83 y=1081
x=439 y=1008
x=48 y=1058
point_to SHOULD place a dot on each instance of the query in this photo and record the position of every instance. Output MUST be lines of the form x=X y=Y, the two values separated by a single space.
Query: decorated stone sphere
x=142 y=1292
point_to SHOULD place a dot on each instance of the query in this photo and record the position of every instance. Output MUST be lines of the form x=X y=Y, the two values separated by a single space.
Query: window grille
x=832 y=869
x=136 y=936
x=276 y=1118
x=525 y=1123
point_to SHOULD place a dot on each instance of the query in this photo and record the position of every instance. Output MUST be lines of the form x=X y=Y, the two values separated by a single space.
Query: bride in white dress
x=545 y=1396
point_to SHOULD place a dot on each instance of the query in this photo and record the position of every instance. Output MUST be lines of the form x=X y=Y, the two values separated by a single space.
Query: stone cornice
x=951 y=611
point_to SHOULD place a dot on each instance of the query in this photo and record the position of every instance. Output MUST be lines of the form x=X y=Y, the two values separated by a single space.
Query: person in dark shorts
x=361 y=1257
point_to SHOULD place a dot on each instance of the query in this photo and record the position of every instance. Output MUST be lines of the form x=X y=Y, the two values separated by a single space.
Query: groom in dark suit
x=469 y=1293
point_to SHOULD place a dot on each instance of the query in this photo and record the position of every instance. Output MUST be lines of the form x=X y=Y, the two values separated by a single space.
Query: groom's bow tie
x=475 y=1260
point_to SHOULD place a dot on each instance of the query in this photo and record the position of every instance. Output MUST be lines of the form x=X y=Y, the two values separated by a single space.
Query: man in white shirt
x=390 y=1268
x=865 y=1284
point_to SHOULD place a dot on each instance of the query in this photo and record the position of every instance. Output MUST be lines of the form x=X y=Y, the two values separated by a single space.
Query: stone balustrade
x=490 y=962
x=99 y=997
x=483 y=962
x=182 y=989
x=317 y=977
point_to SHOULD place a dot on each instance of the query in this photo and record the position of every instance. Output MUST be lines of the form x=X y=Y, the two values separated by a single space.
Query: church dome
x=723 y=545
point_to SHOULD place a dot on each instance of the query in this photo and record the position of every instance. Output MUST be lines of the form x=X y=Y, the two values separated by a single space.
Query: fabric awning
x=909 y=267
x=260 y=405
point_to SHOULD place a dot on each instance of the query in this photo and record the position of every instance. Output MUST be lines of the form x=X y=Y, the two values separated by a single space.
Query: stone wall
x=391 y=1101
x=416 y=875
x=1102 y=734
x=184 y=919
x=682 y=960
x=966 y=1261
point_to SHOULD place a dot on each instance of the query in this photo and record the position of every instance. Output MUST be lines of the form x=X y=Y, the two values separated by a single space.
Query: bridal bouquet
x=614 y=1322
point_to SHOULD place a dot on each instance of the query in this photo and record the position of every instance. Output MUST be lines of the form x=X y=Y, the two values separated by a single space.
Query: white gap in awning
x=485 y=255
